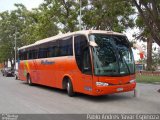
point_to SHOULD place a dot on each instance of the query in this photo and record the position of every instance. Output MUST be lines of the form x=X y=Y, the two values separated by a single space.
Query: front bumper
x=97 y=91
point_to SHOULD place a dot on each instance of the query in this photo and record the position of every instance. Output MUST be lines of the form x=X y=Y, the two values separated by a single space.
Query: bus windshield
x=112 y=55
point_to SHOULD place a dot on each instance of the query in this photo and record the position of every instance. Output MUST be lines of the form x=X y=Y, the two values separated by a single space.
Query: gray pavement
x=17 y=97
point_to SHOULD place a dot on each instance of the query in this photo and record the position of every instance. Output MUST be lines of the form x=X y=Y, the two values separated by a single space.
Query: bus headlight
x=101 y=84
x=132 y=81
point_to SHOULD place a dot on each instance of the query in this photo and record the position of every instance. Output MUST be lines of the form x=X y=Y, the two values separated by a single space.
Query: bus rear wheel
x=69 y=88
x=29 y=81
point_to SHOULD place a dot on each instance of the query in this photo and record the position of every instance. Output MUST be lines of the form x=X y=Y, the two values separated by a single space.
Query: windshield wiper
x=125 y=62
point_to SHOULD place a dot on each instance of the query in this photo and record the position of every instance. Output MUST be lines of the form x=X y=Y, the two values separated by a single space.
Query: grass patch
x=147 y=79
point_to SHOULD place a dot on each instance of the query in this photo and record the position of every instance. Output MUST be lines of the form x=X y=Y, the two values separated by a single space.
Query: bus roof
x=84 y=32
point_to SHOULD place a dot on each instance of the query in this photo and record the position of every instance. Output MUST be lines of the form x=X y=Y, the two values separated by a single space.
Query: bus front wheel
x=69 y=88
x=29 y=81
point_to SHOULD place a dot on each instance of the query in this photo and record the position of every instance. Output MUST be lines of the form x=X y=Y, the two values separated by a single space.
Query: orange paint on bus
x=53 y=71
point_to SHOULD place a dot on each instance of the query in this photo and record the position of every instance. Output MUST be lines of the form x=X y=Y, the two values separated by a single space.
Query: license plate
x=119 y=89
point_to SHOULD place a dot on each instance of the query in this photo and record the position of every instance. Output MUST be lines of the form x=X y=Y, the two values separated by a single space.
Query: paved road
x=17 y=97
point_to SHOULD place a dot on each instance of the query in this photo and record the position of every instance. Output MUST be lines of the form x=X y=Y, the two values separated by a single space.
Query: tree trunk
x=12 y=63
x=5 y=63
x=149 y=53
x=153 y=25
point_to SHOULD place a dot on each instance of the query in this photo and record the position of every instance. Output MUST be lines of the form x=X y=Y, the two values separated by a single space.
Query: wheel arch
x=65 y=80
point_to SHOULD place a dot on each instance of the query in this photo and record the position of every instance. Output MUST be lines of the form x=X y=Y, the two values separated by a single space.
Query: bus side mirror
x=93 y=44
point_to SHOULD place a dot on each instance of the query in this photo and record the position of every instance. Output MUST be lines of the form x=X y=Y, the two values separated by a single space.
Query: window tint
x=53 y=49
x=65 y=47
x=86 y=65
x=32 y=54
x=62 y=47
x=80 y=43
x=23 y=55
x=43 y=53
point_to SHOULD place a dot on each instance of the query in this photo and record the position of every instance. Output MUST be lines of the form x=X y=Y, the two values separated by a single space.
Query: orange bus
x=92 y=62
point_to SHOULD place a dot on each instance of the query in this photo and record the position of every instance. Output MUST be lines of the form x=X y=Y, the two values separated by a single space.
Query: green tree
x=149 y=10
x=54 y=16
x=145 y=36
x=156 y=58
x=28 y=26
x=113 y=15
x=7 y=31
x=11 y=24
x=63 y=13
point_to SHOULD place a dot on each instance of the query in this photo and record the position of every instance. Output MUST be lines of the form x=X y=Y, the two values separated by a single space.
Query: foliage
x=7 y=34
x=63 y=12
x=54 y=16
x=156 y=59
x=149 y=11
x=144 y=35
x=113 y=15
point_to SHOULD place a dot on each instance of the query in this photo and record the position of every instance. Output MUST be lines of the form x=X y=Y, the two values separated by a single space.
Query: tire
x=69 y=88
x=29 y=81
x=135 y=93
x=16 y=78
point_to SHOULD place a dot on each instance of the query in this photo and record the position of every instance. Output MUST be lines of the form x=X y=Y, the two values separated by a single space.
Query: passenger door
x=87 y=70
x=83 y=76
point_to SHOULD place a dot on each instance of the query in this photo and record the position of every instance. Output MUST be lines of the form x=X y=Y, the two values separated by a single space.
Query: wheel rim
x=29 y=81
x=68 y=86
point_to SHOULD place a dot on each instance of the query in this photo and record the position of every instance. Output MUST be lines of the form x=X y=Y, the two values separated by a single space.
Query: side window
x=49 y=49
x=32 y=54
x=26 y=55
x=51 y=52
x=23 y=55
x=43 y=53
x=53 y=49
x=65 y=47
x=80 y=43
x=40 y=53
x=20 y=54
x=86 y=64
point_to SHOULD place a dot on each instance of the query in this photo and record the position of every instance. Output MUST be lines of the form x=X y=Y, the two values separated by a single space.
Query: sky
x=9 y=5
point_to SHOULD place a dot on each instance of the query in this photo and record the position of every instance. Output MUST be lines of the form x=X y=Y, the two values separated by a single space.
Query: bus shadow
x=9 y=76
x=105 y=98
x=47 y=88
x=80 y=96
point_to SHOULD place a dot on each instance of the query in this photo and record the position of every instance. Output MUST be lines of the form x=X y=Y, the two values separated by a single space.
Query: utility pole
x=15 y=46
x=80 y=27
